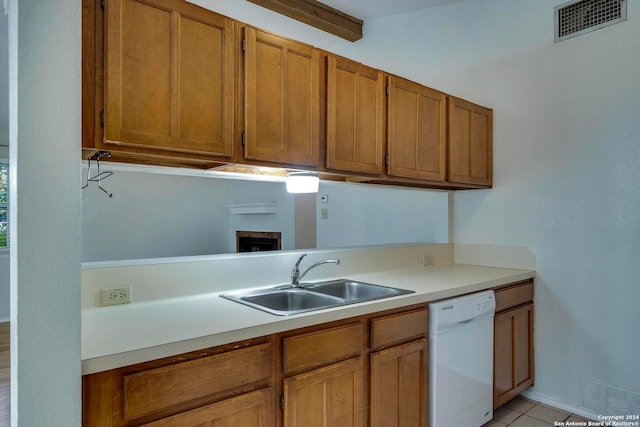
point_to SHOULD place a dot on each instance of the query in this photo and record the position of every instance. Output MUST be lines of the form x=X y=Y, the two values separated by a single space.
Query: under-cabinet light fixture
x=303 y=182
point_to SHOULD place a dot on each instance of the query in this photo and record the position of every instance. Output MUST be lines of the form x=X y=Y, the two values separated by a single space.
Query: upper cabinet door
x=470 y=143
x=169 y=77
x=282 y=100
x=355 y=117
x=417 y=131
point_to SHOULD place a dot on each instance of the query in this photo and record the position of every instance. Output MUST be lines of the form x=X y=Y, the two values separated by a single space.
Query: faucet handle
x=300 y=260
x=295 y=273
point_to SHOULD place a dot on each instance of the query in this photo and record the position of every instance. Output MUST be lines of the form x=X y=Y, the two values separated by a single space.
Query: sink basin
x=287 y=300
x=355 y=291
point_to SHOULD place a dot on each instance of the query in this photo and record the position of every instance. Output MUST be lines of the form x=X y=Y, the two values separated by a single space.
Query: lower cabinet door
x=329 y=396
x=513 y=354
x=399 y=385
x=253 y=409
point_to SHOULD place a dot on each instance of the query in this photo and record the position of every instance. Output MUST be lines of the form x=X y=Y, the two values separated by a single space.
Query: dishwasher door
x=461 y=361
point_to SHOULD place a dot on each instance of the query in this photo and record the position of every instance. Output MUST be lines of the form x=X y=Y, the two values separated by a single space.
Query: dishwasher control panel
x=446 y=314
x=484 y=304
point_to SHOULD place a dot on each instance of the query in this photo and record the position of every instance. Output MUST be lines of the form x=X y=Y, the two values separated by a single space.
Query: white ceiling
x=371 y=9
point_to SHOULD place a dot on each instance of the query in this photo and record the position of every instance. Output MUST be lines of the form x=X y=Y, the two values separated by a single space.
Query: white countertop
x=117 y=336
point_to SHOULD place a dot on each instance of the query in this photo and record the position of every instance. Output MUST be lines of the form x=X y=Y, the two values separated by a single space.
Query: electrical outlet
x=114 y=296
x=427 y=260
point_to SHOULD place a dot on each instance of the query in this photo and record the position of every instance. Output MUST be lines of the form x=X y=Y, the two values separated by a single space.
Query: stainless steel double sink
x=287 y=299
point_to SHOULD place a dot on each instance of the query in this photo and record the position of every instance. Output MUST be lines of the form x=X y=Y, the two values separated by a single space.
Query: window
x=4 y=205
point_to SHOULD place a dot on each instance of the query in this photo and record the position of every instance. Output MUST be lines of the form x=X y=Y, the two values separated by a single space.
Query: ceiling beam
x=318 y=15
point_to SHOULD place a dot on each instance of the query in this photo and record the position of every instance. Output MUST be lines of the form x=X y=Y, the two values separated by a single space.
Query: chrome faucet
x=295 y=273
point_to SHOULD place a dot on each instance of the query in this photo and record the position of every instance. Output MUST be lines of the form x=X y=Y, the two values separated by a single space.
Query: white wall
x=566 y=168
x=153 y=215
x=4 y=150
x=360 y=215
x=4 y=82
x=45 y=123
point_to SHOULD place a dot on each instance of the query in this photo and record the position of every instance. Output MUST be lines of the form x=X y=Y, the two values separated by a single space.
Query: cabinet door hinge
x=244 y=45
x=282 y=402
x=244 y=138
x=102 y=119
x=102 y=4
x=386 y=160
x=387 y=90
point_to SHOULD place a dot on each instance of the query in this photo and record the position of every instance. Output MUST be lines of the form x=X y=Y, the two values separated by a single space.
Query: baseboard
x=565 y=406
x=4 y=320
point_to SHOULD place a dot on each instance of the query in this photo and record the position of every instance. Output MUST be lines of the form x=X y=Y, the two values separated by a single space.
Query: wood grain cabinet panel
x=399 y=383
x=513 y=353
x=282 y=100
x=329 y=396
x=398 y=327
x=161 y=388
x=322 y=347
x=154 y=390
x=416 y=131
x=169 y=77
x=470 y=143
x=253 y=409
x=514 y=295
x=355 y=117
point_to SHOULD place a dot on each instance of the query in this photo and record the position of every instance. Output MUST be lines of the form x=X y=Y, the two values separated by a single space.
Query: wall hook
x=99 y=176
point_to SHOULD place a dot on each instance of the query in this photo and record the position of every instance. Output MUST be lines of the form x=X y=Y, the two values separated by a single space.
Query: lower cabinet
x=370 y=370
x=329 y=396
x=227 y=383
x=399 y=385
x=513 y=346
x=323 y=375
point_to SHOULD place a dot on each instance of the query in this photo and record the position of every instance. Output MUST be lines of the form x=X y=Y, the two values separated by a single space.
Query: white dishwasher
x=461 y=360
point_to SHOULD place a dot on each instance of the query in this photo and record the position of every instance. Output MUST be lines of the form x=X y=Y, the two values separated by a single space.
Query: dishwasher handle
x=444 y=327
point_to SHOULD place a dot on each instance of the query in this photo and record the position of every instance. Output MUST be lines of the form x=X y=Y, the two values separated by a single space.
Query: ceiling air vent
x=579 y=17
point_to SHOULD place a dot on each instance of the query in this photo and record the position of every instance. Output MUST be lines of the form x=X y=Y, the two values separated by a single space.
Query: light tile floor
x=522 y=412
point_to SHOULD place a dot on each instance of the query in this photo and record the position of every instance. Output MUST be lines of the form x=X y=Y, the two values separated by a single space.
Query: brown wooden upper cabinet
x=416 y=131
x=169 y=77
x=470 y=143
x=355 y=117
x=282 y=100
x=168 y=82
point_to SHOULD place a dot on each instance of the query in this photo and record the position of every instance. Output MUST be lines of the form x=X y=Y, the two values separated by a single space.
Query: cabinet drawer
x=322 y=347
x=399 y=327
x=250 y=409
x=161 y=388
x=512 y=296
